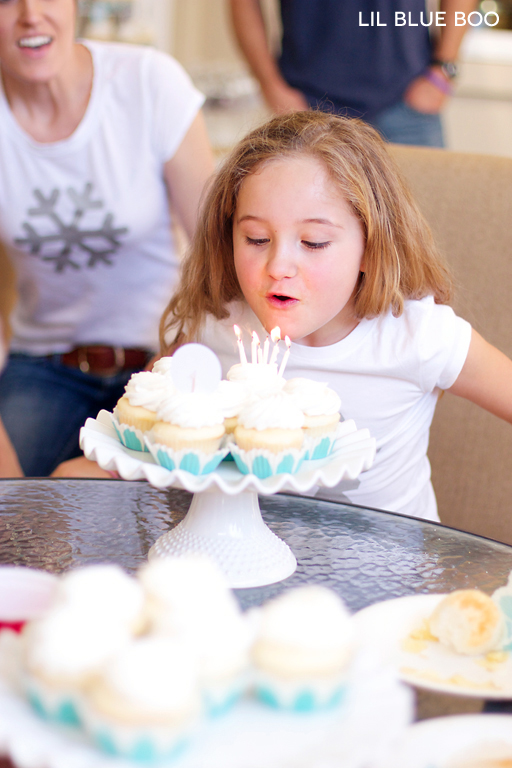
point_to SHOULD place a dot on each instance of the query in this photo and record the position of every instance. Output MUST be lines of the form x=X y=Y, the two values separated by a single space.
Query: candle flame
x=275 y=334
x=255 y=337
x=237 y=331
x=287 y=341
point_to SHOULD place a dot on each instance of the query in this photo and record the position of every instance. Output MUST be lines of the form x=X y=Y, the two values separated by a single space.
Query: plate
x=454 y=742
x=387 y=626
x=355 y=451
x=377 y=711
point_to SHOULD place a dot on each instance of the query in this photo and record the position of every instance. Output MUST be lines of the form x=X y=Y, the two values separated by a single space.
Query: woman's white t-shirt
x=388 y=373
x=86 y=220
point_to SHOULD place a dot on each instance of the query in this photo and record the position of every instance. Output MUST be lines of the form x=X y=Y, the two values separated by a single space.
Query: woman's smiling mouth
x=34 y=42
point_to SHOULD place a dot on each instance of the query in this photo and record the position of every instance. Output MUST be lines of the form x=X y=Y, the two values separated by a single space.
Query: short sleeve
x=174 y=102
x=443 y=341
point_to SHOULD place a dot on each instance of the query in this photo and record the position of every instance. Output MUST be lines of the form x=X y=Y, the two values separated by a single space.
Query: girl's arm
x=187 y=172
x=486 y=378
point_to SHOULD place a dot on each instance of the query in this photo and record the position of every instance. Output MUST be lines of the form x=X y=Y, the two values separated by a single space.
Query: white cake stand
x=224 y=520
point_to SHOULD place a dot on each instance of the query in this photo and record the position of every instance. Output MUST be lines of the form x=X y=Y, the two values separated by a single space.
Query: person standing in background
x=98 y=142
x=358 y=59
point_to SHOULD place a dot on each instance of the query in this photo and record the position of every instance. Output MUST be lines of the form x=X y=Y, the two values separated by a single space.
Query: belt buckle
x=119 y=362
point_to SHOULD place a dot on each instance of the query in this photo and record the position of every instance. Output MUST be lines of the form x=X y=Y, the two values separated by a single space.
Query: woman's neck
x=51 y=111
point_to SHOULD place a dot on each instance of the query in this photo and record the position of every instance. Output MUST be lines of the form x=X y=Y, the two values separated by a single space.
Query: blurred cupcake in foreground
x=468 y=622
x=303 y=649
x=188 y=599
x=62 y=651
x=145 y=703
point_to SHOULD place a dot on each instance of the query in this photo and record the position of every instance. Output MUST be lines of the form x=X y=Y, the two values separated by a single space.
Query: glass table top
x=365 y=555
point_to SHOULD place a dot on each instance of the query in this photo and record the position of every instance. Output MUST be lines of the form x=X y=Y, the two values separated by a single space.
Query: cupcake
x=258 y=379
x=103 y=593
x=95 y=611
x=320 y=406
x=467 y=621
x=135 y=412
x=192 y=420
x=231 y=396
x=145 y=703
x=273 y=423
x=188 y=599
x=163 y=366
x=61 y=652
x=302 y=650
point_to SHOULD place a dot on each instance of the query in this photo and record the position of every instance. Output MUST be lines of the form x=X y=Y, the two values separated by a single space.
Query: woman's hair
x=401 y=259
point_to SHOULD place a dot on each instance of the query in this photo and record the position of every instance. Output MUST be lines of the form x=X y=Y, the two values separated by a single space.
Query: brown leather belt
x=105 y=361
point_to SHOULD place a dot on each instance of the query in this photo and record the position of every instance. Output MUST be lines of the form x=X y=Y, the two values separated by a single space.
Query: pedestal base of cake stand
x=230 y=529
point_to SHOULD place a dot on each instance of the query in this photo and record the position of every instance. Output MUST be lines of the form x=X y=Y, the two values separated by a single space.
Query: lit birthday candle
x=241 y=350
x=275 y=335
x=266 y=347
x=286 y=356
x=254 y=347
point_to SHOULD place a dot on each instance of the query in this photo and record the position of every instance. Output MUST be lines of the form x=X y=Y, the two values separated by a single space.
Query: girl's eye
x=315 y=246
x=256 y=240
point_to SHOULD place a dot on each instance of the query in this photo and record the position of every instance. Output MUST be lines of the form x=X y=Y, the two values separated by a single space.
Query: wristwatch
x=449 y=68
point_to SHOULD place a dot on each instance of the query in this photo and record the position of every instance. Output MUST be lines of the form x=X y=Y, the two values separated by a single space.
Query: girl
x=308 y=226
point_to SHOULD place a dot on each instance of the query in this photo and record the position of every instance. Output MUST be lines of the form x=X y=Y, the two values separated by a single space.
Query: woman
x=97 y=141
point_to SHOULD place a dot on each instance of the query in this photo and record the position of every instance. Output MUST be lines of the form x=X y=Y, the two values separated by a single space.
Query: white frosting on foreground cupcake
x=153 y=675
x=147 y=389
x=231 y=396
x=278 y=411
x=102 y=592
x=163 y=366
x=65 y=645
x=313 y=397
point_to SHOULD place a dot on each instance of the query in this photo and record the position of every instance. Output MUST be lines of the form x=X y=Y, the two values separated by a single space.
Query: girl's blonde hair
x=401 y=259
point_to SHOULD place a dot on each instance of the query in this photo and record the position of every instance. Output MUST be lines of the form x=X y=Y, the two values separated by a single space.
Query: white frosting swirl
x=312 y=617
x=100 y=592
x=66 y=643
x=314 y=397
x=163 y=366
x=257 y=377
x=278 y=411
x=155 y=674
x=232 y=396
x=148 y=389
x=191 y=410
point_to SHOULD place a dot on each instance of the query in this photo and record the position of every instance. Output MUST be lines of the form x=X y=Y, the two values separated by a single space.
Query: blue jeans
x=401 y=124
x=43 y=404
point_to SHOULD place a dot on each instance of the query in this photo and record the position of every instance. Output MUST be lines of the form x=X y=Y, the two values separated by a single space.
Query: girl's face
x=36 y=38
x=298 y=250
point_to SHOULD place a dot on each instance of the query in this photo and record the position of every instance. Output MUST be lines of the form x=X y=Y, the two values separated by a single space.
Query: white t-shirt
x=388 y=373
x=86 y=220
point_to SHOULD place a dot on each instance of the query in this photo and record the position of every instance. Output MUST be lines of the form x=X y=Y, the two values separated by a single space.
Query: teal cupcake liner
x=302 y=695
x=195 y=462
x=54 y=706
x=130 y=437
x=320 y=447
x=264 y=463
x=220 y=698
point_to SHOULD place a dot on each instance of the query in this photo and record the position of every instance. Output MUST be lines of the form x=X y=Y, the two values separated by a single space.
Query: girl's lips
x=281 y=301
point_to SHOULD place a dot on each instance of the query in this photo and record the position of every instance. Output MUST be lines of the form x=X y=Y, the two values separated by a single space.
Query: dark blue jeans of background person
x=43 y=404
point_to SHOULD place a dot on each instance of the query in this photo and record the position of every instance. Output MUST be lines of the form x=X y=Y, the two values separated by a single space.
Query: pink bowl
x=25 y=593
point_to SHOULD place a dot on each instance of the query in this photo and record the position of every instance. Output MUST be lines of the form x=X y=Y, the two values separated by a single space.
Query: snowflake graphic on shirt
x=68 y=243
